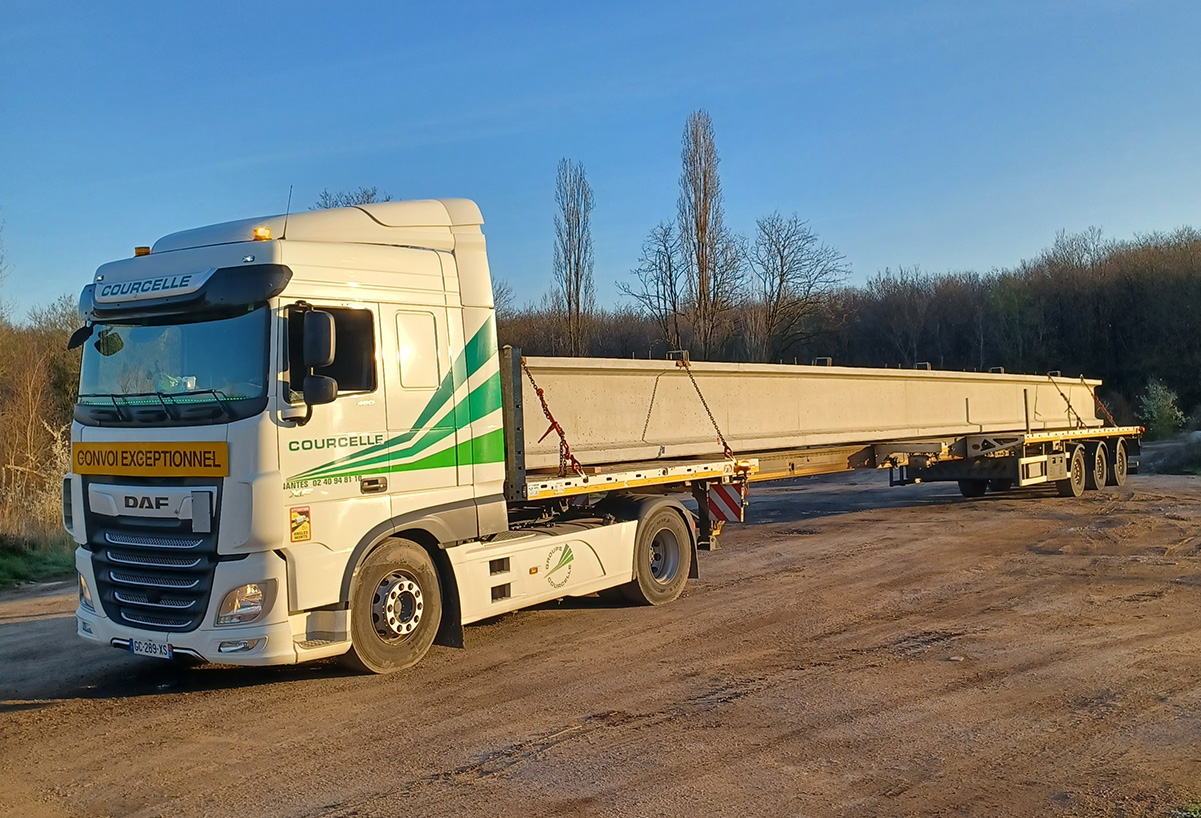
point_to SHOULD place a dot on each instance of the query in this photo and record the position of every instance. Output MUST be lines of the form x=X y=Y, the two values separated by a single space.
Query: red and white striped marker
x=725 y=503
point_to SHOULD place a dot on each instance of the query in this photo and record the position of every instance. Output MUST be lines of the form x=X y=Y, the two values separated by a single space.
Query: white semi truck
x=296 y=438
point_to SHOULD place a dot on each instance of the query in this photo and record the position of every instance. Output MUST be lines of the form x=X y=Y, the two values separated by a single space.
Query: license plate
x=149 y=647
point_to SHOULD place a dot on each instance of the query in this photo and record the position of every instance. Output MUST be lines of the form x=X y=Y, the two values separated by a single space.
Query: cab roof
x=431 y=223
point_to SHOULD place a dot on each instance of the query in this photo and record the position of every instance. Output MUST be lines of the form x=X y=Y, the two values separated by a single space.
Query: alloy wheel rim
x=397 y=606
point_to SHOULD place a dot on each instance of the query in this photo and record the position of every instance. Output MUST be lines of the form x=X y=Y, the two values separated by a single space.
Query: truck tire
x=1073 y=484
x=395 y=608
x=662 y=557
x=999 y=484
x=1117 y=464
x=1096 y=462
x=973 y=488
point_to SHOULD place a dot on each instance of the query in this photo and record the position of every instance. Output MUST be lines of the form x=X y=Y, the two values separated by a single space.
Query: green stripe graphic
x=383 y=458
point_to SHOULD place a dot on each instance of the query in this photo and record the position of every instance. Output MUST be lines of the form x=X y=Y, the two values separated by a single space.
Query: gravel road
x=857 y=651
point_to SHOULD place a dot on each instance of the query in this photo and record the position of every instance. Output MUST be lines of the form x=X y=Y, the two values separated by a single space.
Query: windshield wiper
x=221 y=399
x=173 y=410
x=113 y=398
x=166 y=408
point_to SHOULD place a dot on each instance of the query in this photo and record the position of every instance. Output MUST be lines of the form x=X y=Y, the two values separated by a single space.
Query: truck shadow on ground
x=88 y=671
x=805 y=499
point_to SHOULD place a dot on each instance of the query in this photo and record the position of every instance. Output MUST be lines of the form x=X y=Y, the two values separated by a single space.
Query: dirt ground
x=859 y=650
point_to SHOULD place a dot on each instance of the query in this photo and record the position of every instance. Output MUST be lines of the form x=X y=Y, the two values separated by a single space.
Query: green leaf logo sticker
x=558 y=565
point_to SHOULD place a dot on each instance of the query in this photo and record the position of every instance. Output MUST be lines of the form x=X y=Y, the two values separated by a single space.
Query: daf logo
x=145 y=502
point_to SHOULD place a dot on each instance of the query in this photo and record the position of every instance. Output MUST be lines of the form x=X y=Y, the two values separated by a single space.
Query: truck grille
x=154 y=560
x=154 y=542
x=164 y=623
x=153 y=573
x=152 y=581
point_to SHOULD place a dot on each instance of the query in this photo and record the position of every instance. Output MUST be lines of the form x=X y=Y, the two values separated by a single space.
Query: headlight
x=85 y=594
x=246 y=603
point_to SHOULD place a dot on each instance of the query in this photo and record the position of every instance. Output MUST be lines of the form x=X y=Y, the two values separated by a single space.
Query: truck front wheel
x=662 y=558
x=395 y=608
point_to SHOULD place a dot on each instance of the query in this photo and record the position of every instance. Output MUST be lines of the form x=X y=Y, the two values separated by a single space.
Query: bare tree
x=3 y=260
x=349 y=198
x=5 y=314
x=504 y=300
x=659 y=292
x=904 y=299
x=1081 y=251
x=576 y=294
x=710 y=254
x=794 y=280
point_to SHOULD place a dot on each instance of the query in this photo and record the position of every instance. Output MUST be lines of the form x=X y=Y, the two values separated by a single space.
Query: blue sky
x=949 y=135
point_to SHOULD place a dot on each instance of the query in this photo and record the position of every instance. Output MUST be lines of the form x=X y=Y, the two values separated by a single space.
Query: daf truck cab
x=288 y=445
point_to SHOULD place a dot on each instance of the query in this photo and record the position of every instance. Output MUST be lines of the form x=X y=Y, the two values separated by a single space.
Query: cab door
x=421 y=400
x=335 y=466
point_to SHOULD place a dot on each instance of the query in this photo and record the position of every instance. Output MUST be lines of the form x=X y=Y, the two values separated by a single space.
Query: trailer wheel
x=973 y=488
x=662 y=557
x=1073 y=484
x=395 y=608
x=1000 y=484
x=1118 y=464
x=1096 y=460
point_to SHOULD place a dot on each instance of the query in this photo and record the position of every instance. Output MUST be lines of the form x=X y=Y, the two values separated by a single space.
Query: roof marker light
x=141 y=250
x=262 y=234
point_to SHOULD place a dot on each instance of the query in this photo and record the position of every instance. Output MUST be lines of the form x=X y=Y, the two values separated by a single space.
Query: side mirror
x=318 y=341
x=80 y=336
x=319 y=389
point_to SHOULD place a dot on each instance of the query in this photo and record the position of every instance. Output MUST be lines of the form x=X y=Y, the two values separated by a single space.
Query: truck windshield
x=202 y=371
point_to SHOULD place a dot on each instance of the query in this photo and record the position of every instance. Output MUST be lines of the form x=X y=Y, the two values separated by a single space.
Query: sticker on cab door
x=301 y=524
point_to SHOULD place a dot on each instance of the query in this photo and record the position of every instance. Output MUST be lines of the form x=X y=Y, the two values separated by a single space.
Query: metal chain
x=1100 y=403
x=729 y=453
x=1071 y=410
x=650 y=407
x=565 y=456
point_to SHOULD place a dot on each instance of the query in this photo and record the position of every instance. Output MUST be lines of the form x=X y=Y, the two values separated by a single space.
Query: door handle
x=373 y=485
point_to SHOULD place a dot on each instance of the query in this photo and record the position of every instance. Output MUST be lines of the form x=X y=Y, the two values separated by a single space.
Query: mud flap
x=450 y=630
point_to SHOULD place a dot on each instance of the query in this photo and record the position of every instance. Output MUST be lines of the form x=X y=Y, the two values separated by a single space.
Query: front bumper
x=274 y=630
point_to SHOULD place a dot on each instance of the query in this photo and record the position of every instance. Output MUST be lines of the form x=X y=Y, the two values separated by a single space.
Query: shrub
x=1159 y=411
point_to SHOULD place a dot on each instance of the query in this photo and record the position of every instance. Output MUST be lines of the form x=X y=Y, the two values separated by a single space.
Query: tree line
x=1122 y=311
x=39 y=380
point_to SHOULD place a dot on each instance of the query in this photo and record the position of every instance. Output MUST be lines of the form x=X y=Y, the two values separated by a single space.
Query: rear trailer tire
x=662 y=558
x=1117 y=464
x=1096 y=461
x=1000 y=484
x=1073 y=484
x=395 y=608
x=973 y=488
